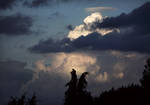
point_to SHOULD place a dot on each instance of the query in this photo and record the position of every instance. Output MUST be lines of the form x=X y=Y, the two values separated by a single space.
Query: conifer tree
x=145 y=81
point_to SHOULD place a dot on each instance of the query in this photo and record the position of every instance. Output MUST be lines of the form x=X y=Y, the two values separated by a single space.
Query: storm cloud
x=5 y=4
x=138 y=20
x=134 y=35
x=16 y=24
x=51 y=45
x=13 y=75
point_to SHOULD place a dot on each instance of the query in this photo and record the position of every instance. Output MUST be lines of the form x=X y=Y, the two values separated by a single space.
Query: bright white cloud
x=85 y=28
x=94 y=17
x=78 y=31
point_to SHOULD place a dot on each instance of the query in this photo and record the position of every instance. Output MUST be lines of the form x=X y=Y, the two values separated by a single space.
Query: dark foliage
x=23 y=100
x=77 y=93
x=130 y=95
x=145 y=81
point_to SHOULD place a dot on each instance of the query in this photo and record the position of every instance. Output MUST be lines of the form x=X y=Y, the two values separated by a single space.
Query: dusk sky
x=42 y=40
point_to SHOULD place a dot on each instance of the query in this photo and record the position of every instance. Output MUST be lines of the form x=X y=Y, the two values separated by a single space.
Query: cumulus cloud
x=64 y=62
x=55 y=68
x=15 y=25
x=133 y=29
x=106 y=70
x=13 y=75
x=94 y=17
x=85 y=28
x=103 y=67
x=98 y=33
x=99 y=9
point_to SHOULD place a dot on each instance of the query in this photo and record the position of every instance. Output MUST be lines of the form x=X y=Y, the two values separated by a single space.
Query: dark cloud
x=70 y=27
x=113 y=41
x=95 y=41
x=138 y=19
x=5 y=4
x=51 y=45
x=13 y=76
x=15 y=25
x=134 y=35
x=37 y=3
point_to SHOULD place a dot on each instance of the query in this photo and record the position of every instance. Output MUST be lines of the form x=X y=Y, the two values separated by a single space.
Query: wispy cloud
x=99 y=9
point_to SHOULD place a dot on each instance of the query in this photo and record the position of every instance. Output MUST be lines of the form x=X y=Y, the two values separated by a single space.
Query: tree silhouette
x=82 y=82
x=33 y=100
x=12 y=101
x=128 y=95
x=145 y=81
x=23 y=100
x=76 y=93
x=70 y=94
x=84 y=97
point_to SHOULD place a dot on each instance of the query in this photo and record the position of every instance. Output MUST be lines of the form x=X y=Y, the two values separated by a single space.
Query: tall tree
x=82 y=82
x=77 y=93
x=70 y=94
x=145 y=81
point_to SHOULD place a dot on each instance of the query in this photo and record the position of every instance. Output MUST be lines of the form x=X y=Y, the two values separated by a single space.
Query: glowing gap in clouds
x=64 y=62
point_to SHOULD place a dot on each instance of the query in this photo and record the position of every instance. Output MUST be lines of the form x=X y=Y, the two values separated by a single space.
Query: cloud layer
x=134 y=28
x=99 y=9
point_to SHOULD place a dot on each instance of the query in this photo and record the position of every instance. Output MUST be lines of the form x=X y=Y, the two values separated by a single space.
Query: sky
x=41 y=41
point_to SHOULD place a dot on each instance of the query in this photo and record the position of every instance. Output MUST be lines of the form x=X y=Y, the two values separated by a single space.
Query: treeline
x=77 y=94
x=23 y=100
x=133 y=94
